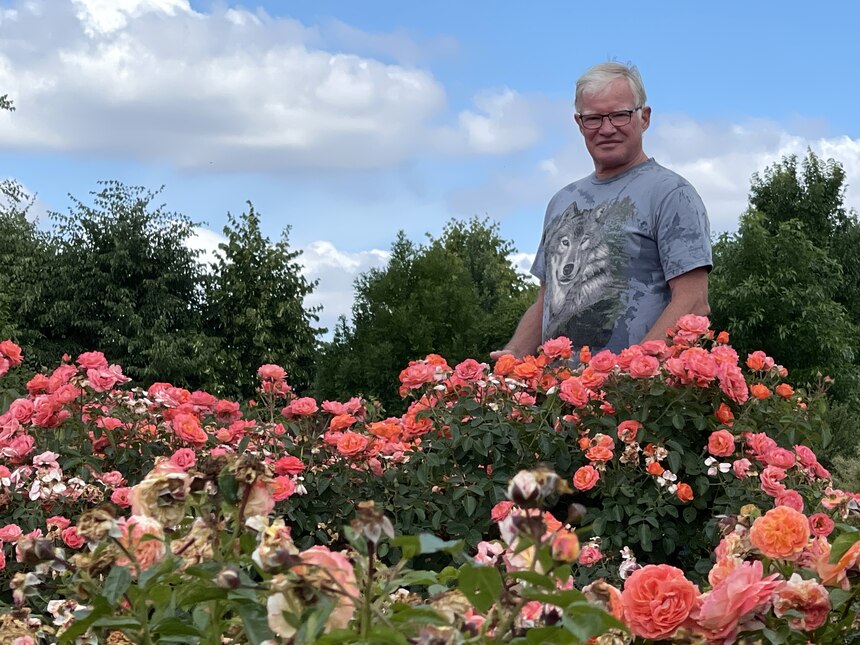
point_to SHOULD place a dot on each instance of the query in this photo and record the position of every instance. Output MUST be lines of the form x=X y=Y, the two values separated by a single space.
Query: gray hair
x=599 y=76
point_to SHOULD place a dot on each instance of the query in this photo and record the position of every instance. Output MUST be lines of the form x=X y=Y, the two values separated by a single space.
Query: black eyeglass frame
x=625 y=115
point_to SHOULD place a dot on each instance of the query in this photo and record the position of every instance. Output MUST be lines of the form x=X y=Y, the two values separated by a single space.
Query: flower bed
x=672 y=487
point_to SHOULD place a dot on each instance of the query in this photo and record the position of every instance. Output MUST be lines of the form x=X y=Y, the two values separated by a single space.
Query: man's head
x=613 y=92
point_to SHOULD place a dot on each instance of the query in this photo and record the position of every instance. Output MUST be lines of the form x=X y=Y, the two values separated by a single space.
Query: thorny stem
x=368 y=589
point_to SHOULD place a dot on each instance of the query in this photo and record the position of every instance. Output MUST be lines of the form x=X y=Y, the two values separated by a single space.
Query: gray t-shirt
x=608 y=249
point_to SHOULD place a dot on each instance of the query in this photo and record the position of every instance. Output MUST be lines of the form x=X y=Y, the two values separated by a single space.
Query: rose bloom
x=784 y=390
x=644 y=367
x=820 y=525
x=351 y=443
x=146 y=552
x=589 y=555
x=92 y=360
x=722 y=613
x=721 y=443
x=833 y=575
x=685 y=493
x=573 y=391
x=283 y=488
x=603 y=361
x=806 y=597
x=654 y=468
x=741 y=467
x=272 y=372
x=759 y=443
x=470 y=370
x=302 y=407
x=760 y=391
x=771 y=481
x=331 y=571
x=627 y=430
x=585 y=478
x=112 y=479
x=185 y=458
x=417 y=374
x=341 y=422
x=758 y=361
x=790 y=498
x=779 y=457
x=10 y=533
x=71 y=538
x=505 y=365
x=21 y=409
x=260 y=500
x=592 y=379
x=781 y=533
x=558 y=348
x=657 y=599
x=288 y=465
x=121 y=497
x=733 y=384
x=187 y=427
x=805 y=456
x=501 y=510
x=598 y=453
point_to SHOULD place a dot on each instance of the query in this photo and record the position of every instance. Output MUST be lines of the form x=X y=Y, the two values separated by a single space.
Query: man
x=625 y=251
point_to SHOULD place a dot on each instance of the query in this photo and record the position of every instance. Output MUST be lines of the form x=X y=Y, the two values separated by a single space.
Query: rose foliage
x=670 y=492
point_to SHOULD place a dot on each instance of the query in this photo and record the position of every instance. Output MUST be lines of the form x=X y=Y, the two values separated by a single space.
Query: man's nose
x=606 y=126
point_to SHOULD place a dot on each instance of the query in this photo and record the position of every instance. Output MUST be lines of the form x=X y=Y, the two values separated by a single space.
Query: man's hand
x=528 y=334
x=497 y=354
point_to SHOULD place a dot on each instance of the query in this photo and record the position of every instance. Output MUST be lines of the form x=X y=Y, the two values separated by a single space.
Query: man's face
x=614 y=149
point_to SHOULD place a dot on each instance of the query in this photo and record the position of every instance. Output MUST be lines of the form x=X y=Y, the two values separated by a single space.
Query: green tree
x=255 y=311
x=125 y=282
x=457 y=295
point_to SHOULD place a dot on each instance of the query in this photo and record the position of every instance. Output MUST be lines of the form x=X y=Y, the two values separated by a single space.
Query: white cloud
x=155 y=80
x=206 y=241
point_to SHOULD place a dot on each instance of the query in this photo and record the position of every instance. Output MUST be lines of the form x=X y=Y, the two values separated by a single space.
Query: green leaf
x=534 y=578
x=841 y=545
x=117 y=622
x=421 y=615
x=255 y=622
x=190 y=595
x=173 y=626
x=469 y=505
x=481 y=585
x=116 y=584
x=645 y=536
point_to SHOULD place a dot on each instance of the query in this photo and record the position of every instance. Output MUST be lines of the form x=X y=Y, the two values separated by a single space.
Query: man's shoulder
x=663 y=176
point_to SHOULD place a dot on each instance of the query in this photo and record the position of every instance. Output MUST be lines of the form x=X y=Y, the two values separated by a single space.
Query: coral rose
x=657 y=599
x=288 y=465
x=784 y=390
x=644 y=367
x=351 y=443
x=685 y=493
x=820 y=525
x=558 y=348
x=603 y=361
x=721 y=443
x=304 y=406
x=573 y=391
x=781 y=533
x=565 y=546
x=585 y=478
x=724 y=414
x=187 y=427
x=627 y=430
x=760 y=391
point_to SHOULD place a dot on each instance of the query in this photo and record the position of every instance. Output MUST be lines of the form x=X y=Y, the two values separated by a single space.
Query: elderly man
x=625 y=251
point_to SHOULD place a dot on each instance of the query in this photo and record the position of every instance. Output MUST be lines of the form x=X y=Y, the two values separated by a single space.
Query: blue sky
x=350 y=121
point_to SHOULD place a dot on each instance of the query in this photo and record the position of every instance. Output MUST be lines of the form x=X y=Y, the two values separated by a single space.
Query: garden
x=669 y=493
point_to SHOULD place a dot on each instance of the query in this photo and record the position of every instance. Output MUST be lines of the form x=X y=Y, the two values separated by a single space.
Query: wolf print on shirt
x=584 y=269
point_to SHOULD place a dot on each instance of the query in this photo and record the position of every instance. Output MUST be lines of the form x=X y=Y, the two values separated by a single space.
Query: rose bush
x=683 y=457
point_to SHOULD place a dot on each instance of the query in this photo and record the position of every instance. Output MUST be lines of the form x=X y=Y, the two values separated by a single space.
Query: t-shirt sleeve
x=538 y=269
x=683 y=233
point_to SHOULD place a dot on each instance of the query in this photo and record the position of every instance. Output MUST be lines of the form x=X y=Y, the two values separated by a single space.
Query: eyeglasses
x=618 y=118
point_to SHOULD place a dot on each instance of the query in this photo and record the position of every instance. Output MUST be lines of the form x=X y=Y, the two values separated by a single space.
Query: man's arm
x=527 y=336
x=689 y=296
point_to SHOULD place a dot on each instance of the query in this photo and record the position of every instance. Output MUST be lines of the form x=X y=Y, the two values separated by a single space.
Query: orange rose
x=505 y=365
x=724 y=414
x=784 y=390
x=657 y=599
x=721 y=443
x=187 y=427
x=598 y=453
x=341 y=422
x=627 y=430
x=685 y=493
x=781 y=533
x=529 y=368
x=723 y=338
x=760 y=391
x=654 y=468
x=351 y=443
x=565 y=546
x=584 y=354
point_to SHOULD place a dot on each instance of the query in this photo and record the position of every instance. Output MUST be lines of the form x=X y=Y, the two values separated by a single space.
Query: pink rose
x=585 y=478
x=121 y=497
x=760 y=444
x=470 y=370
x=260 y=500
x=417 y=375
x=733 y=384
x=771 y=481
x=18 y=449
x=71 y=538
x=806 y=457
x=58 y=521
x=700 y=365
x=779 y=457
x=741 y=467
x=721 y=613
x=10 y=533
x=92 y=361
x=790 y=498
x=272 y=372
x=589 y=554
x=501 y=510
x=821 y=525
x=573 y=391
x=21 y=410
x=558 y=348
x=185 y=458
x=602 y=361
x=627 y=430
x=283 y=488
x=301 y=407
x=288 y=465
x=721 y=443
x=112 y=479
x=644 y=367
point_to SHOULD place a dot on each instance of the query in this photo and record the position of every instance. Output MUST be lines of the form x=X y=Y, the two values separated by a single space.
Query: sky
x=347 y=122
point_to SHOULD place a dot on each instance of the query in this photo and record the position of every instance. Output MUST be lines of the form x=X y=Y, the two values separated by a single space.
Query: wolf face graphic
x=583 y=255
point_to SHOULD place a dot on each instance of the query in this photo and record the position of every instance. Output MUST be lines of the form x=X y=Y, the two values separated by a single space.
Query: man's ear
x=646 y=117
x=578 y=123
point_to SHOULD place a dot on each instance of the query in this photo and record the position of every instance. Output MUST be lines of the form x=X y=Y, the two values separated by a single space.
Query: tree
x=458 y=296
x=255 y=311
x=125 y=282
